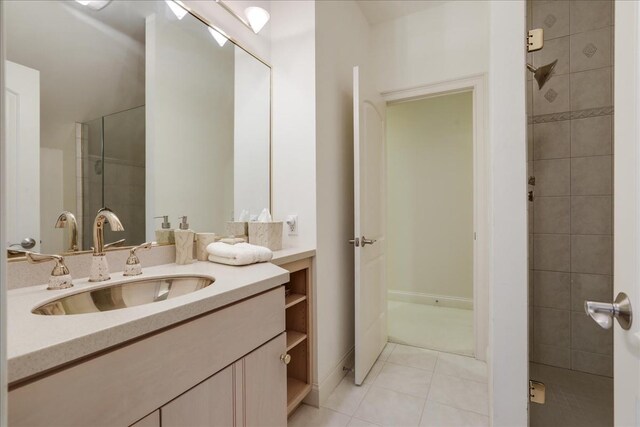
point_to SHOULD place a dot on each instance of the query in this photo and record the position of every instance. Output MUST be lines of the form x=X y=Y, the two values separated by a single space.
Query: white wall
x=508 y=358
x=294 y=117
x=189 y=147
x=51 y=194
x=252 y=131
x=430 y=197
x=443 y=42
x=342 y=41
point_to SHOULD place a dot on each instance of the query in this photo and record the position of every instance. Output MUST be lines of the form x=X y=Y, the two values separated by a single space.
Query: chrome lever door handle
x=603 y=313
x=355 y=242
x=366 y=241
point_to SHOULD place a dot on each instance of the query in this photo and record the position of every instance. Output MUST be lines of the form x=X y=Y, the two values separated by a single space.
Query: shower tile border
x=571 y=115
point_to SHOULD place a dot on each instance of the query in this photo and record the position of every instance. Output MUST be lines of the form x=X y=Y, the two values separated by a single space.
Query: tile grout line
x=426 y=399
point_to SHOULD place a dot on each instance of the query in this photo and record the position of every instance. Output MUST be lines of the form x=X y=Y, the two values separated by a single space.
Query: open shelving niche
x=299 y=330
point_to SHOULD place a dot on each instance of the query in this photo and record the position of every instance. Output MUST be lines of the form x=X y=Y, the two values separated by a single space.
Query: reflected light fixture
x=257 y=18
x=177 y=7
x=218 y=35
x=94 y=4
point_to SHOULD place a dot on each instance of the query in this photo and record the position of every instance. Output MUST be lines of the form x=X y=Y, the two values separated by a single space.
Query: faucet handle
x=133 y=267
x=60 y=277
x=114 y=244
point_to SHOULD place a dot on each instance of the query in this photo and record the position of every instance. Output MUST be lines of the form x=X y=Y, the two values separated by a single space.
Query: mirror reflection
x=148 y=111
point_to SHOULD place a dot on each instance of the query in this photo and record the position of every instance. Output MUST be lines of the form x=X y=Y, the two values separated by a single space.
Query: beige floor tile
x=460 y=393
x=461 y=367
x=439 y=415
x=361 y=423
x=390 y=408
x=308 y=416
x=414 y=357
x=404 y=379
x=346 y=397
x=386 y=352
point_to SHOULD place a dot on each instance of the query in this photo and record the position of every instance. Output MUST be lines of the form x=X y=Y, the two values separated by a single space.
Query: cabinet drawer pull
x=285 y=358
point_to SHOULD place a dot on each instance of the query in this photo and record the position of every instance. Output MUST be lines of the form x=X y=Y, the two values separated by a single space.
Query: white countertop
x=36 y=343
x=285 y=256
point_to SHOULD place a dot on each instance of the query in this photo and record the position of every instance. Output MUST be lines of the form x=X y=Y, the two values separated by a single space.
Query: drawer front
x=122 y=386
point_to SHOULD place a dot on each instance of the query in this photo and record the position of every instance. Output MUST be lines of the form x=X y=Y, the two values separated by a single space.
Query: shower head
x=542 y=74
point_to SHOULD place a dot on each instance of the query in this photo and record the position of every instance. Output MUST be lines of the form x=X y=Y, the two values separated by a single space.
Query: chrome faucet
x=99 y=266
x=104 y=215
x=65 y=219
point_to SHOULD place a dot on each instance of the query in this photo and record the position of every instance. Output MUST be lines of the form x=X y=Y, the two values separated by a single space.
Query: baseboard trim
x=431 y=299
x=321 y=392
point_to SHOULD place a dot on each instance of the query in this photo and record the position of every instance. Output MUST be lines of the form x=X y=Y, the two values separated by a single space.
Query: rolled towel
x=238 y=254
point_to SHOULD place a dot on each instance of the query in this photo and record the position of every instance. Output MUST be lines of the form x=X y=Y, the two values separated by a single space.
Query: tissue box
x=236 y=228
x=267 y=234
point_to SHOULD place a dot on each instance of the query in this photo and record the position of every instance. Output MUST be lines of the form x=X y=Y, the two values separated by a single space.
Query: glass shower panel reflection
x=114 y=174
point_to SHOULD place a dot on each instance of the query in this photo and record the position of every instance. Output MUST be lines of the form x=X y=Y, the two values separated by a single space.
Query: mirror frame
x=204 y=21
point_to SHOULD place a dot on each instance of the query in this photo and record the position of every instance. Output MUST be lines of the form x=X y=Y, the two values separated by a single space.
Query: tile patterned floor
x=429 y=326
x=407 y=387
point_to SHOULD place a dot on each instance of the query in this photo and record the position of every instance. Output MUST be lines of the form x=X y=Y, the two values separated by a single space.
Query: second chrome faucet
x=99 y=266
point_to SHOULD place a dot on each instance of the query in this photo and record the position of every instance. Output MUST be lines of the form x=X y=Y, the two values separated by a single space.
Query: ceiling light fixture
x=177 y=7
x=219 y=36
x=257 y=17
x=94 y=4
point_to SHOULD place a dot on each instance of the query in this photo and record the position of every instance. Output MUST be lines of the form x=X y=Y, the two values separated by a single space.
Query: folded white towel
x=232 y=240
x=238 y=254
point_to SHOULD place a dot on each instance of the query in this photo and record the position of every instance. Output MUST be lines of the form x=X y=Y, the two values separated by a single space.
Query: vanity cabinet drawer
x=122 y=386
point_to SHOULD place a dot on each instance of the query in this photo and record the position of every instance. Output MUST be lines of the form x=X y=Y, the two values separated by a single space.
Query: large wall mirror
x=134 y=105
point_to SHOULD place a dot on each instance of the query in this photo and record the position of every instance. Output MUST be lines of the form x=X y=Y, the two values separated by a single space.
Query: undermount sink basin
x=124 y=295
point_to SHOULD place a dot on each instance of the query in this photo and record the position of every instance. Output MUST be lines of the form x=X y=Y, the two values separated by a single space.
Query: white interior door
x=22 y=98
x=369 y=242
x=626 y=343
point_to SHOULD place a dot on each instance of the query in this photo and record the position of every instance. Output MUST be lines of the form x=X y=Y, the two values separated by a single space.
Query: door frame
x=476 y=84
x=626 y=208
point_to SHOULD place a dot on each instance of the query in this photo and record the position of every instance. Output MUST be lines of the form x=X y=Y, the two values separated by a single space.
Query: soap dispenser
x=184 y=242
x=165 y=235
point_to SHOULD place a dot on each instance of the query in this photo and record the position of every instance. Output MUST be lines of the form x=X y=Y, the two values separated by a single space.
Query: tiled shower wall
x=571 y=157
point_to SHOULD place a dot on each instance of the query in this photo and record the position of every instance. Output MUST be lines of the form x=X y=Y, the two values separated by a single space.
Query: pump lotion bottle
x=185 y=239
x=165 y=235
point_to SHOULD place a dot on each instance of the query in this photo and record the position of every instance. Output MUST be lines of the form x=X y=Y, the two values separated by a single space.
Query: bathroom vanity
x=233 y=349
x=216 y=356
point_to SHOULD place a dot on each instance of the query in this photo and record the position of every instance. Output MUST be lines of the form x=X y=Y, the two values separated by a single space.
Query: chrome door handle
x=27 y=243
x=366 y=241
x=603 y=313
x=355 y=242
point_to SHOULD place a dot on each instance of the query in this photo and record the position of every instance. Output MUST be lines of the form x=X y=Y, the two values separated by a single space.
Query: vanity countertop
x=285 y=256
x=37 y=343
